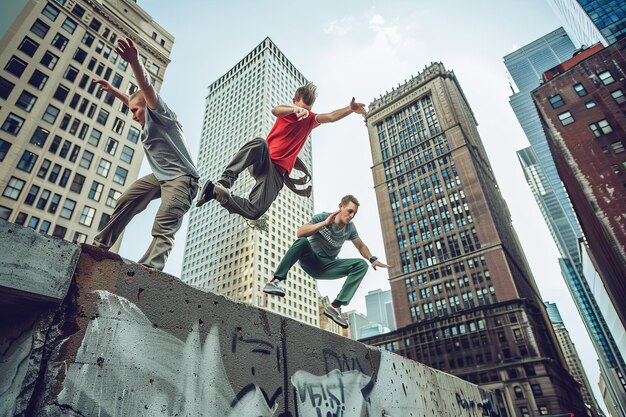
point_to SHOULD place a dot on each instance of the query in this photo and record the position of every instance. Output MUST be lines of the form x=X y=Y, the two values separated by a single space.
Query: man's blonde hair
x=349 y=199
x=136 y=95
x=308 y=94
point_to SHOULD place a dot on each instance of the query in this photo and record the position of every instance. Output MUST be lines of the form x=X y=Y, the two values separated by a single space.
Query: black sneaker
x=206 y=195
x=335 y=315
x=274 y=289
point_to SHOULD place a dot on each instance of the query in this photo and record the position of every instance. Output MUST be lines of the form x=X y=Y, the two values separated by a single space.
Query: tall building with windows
x=525 y=69
x=582 y=105
x=225 y=253
x=379 y=307
x=464 y=297
x=572 y=359
x=67 y=149
x=592 y=21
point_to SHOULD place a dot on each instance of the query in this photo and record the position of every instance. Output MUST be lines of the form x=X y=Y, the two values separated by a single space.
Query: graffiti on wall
x=126 y=366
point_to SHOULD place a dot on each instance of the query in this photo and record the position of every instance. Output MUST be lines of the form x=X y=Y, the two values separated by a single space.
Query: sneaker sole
x=278 y=293
x=203 y=200
x=342 y=325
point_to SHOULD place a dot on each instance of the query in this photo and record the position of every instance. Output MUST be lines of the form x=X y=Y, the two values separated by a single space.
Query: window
x=65 y=148
x=86 y=159
x=618 y=147
x=74 y=154
x=127 y=154
x=65 y=177
x=50 y=12
x=54 y=173
x=536 y=390
x=556 y=101
x=619 y=97
x=133 y=134
x=79 y=238
x=68 y=208
x=26 y=101
x=83 y=131
x=70 y=74
x=87 y=215
x=606 y=77
x=27 y=162
x=120 y=175
x=543 y=410
x=117 y=80
x=79 y=55
x=12 y=124
x=50 y=115
x=59 y=231
x=40 y=135
x=45 y=226
x=94 y=138
x=69 y=25
x=49 y=60
x=95 y=192
x=32 y=195
x=103 y=116
x=566 y=118
x=95 y=24
x=83 y=81
x=78 y=11
x=14 y=188
x=6 y=87
x=112 y=198
x=59 y=42
x=61 y=93
x=39 y=28
x=15 y=66
x=33 y=223
x=74 y=102
x=43 y=169
x=54 y=203
x=28 y=46
x=600 y=127
x=590 y=104
x=21 y=218
x=65 y=121
x=524 y=411
x=580 y=90
x=38 y=79
x=5 y=213
x=118 y=125
x=88 y=39
x=103 y=168
x=43 y=199
x=77 y=183
x=103 y=221
x=111 y=146
x=4 y=148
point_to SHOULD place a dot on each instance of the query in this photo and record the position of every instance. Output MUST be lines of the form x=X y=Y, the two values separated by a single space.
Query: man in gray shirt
x=174 y=178
x=317 y=247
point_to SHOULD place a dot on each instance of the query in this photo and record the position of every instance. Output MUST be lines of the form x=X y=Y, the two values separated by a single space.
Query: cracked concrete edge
x=34 y=266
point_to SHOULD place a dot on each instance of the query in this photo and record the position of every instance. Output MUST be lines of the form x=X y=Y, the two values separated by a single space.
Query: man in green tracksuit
x=317 y=247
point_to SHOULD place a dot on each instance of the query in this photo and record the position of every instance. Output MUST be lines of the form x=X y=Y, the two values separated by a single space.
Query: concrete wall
x=131 y=341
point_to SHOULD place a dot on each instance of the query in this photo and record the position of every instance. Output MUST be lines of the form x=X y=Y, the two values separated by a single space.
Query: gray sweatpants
x=176 y=197
x=269 y=178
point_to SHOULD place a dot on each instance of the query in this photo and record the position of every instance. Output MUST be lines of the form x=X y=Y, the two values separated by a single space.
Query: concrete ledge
x=34 y=266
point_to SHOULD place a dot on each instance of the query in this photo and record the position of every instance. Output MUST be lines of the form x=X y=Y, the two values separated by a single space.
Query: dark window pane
x=80 y=55
x=61 y=93
x=15 y=66
x=78 y=11
x=38 y=79
x=27 y=162
x=4 y=148
x=69 y=25
x=39 y=137
x=49 y=60
x=39 y=28
x=59 y=42
x=28 y=46
x=95 y=24
x=26 y=101
x=6 y=87
x=50 y=12
x=12 y=124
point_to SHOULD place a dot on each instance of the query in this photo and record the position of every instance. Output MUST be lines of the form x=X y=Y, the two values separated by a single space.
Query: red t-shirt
x=287 y=138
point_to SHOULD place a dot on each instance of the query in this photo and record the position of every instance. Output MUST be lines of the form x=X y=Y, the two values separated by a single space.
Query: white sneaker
x=221 y=193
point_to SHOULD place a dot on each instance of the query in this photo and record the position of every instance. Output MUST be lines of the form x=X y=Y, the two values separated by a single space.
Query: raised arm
x=286 y=109
x=365 y=252
x=128 y=52
x=339 y=114
x=110 y=89
x=309 y=229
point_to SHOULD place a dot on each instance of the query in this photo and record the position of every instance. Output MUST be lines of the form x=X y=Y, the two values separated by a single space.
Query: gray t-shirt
x=327 y=242
x=164 y=141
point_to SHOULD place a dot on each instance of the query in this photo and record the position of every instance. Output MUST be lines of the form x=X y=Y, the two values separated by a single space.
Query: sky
x=364 y=49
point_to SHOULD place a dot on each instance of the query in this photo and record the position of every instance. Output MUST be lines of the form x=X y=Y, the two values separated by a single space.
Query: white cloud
x=340 y=27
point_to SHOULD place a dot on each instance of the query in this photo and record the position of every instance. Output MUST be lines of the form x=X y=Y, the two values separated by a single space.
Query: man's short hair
x=349 y=199
x=308 y=93
x=136 y=95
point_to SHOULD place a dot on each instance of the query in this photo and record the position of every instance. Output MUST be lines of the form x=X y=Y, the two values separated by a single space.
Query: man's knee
x=361 y=265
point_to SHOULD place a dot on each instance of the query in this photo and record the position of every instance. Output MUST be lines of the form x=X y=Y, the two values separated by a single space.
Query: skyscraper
x=572 y=359
x=591 y=21
x=525 y=68
x=224 y=253
x=379 y=307
x=67 y=150
x=464 y=297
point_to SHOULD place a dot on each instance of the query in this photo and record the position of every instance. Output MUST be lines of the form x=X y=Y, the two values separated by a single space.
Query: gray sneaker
x=221 y=193
x=335 y=315
x=274 y=289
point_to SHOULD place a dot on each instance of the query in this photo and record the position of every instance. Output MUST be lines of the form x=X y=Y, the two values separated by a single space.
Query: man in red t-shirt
x=271 y=161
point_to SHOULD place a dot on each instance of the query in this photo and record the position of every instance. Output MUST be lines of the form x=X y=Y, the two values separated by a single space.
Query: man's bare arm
x=110 y=89
x=339 y=114
x=128 y=52
x=309 y=229
x=286 y=109
x=365 y=252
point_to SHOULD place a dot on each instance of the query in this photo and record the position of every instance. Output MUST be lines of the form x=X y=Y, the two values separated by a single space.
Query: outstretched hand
x=331 y=219
x=104 y=84
x=358 y=107
x=127 y=50
x=379 y=264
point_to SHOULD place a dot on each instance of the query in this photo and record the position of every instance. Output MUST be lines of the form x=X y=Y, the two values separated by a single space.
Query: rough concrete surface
x=131 y=341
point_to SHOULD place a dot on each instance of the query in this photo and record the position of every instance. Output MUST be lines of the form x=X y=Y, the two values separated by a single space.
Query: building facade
x=67 y=149
x=225 y=253
x=574 y=364
x=379 y=306
x=582 y=104
x=525 y=68
x=592 y=21
x=464 y=297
